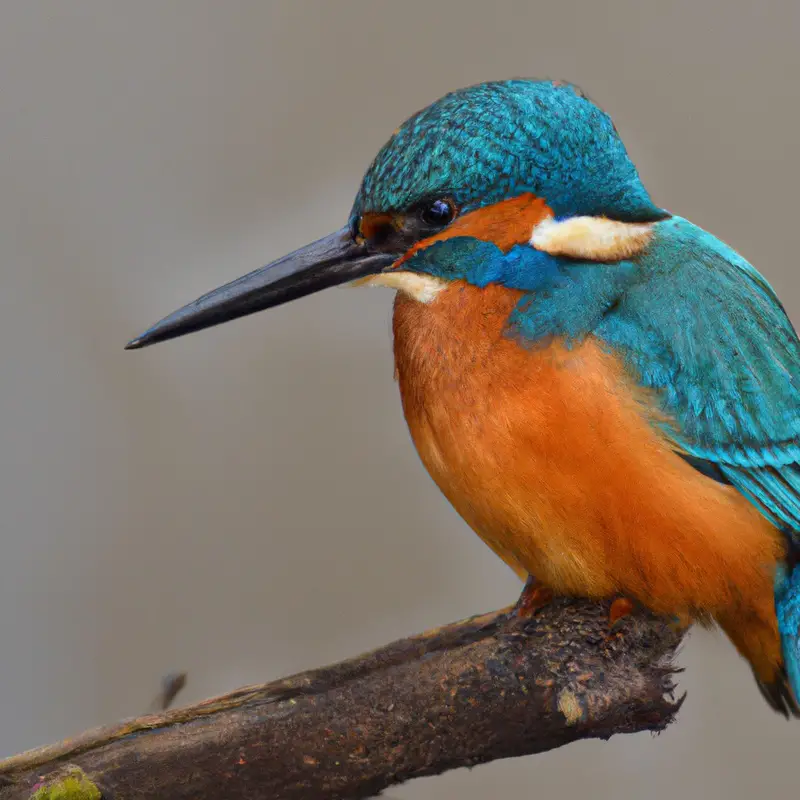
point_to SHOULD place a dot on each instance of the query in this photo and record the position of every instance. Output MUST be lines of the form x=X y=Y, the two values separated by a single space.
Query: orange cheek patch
x=506 y=223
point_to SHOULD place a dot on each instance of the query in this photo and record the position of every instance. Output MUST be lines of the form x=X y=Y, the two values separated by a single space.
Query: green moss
x=74 y=785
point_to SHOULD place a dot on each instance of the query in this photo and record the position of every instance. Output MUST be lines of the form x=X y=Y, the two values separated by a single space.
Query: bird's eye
x=438 y=213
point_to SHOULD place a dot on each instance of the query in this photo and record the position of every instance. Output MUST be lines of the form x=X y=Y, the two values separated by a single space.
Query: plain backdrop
x=246 y=502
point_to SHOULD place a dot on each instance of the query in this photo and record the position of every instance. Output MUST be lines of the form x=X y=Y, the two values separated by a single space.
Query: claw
x=620 y=608
x=534 y=596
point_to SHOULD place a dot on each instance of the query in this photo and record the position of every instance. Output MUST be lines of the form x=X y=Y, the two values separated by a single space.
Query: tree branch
x=485 y=688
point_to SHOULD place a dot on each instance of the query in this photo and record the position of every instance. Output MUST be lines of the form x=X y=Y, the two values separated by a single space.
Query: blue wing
x=708 y=332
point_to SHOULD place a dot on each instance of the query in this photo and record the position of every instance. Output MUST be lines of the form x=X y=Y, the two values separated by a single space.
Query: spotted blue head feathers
x=485 y=143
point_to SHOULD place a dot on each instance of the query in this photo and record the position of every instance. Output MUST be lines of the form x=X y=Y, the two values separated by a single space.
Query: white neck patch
x=421 y=287
x=591 y=238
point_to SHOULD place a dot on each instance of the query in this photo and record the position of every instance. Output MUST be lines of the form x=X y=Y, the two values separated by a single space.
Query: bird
x=607 y=394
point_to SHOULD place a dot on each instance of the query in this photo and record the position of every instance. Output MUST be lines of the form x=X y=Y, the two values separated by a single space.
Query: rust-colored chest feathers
x=553 y=457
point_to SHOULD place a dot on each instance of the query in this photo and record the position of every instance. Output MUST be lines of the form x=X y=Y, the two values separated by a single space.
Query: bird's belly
x=553 y=457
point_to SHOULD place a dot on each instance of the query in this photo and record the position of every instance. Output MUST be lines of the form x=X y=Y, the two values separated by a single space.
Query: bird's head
x=531 y=164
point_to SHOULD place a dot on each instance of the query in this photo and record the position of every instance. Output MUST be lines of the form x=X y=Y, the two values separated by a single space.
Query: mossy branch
x=474 y=691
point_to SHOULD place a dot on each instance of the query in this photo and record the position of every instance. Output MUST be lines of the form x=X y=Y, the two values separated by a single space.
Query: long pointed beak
x=332 y=260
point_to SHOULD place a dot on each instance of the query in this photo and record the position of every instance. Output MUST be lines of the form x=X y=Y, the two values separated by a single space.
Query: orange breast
x=551 y=455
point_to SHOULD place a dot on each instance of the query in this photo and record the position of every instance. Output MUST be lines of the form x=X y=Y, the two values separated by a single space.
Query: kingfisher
x=606 y=393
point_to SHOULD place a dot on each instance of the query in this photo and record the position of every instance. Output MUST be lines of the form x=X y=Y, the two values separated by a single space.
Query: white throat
x=421 y=287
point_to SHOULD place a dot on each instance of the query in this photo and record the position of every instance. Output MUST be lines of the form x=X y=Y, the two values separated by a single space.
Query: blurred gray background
x=246 y=502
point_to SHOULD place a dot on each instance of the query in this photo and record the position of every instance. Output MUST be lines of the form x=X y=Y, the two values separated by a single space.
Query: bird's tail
x=787 y=607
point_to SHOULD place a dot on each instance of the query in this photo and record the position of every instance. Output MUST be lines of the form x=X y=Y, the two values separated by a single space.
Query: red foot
x=620 y=609
x=534 y=596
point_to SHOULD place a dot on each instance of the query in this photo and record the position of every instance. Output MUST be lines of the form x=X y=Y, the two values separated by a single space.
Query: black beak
x=336 y=259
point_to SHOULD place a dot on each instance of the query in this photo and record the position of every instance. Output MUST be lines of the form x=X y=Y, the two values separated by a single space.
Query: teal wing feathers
x=707 y=331
x=698 y=324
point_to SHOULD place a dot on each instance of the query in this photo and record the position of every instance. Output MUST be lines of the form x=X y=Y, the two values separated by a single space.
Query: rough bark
x=485 y=688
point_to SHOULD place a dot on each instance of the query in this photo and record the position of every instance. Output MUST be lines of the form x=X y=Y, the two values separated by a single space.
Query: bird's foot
x=534 y=596
x=621 y=607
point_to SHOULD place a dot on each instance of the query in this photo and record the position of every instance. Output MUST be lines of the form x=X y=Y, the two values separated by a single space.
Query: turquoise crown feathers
x=485 y=143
